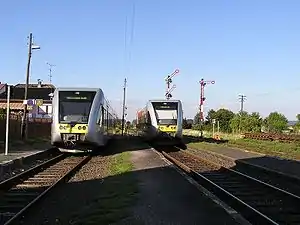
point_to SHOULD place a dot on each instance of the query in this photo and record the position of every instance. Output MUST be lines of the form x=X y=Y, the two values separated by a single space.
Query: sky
x=247 y=47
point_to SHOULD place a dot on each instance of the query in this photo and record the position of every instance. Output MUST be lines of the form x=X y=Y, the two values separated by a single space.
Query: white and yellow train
x=82 y=119
x=160 y=119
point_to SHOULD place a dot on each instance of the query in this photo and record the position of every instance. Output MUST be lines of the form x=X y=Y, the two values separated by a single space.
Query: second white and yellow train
x=160 y=120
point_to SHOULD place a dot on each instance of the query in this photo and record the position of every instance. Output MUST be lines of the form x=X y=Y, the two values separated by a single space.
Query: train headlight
x=79 y=127
x=61 y=127
x=84 y=127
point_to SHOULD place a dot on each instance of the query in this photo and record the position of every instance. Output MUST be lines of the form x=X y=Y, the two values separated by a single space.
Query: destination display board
x=76 y=96
x=165 y=105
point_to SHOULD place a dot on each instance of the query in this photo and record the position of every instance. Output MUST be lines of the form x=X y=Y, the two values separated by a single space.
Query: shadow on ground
x=120 y=200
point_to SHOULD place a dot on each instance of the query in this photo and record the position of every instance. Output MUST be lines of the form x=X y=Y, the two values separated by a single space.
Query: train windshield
x=75 y=106
x=166 y=112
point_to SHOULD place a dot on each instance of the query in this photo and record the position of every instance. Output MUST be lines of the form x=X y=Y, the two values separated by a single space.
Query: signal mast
x=168 y=80
x=202 y=99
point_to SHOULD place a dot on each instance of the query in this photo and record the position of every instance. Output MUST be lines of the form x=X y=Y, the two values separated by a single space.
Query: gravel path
x=165 y=197
x=66 y=201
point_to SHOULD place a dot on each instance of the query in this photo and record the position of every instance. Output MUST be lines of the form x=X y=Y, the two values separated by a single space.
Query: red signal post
x=203 y=83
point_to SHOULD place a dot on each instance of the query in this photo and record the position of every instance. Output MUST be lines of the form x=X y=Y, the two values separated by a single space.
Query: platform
x=22 y=149
x=167 y=197
x=277 y=164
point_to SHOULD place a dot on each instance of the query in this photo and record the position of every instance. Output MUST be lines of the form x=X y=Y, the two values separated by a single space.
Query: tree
x=245 y=122
x=297 y=125
x=224 y=116
x=186 y=124
x=211 y=114
x=276 y=122
x=298 y=117
x=197 y=118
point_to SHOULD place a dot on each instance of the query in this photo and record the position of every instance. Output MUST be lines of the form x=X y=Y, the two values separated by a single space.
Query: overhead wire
x=128 y=46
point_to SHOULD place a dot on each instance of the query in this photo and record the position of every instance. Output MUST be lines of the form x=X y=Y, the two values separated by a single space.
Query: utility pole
x=202 y=99
x=168 y=80
x=123 y=114
x=50 y=71
x=7 y=119
x=242 y=99
x=24 y=117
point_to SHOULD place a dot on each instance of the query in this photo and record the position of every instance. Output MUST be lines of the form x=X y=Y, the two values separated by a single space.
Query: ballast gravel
x=61 y=204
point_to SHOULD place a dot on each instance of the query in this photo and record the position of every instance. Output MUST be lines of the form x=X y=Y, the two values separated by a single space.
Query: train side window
x=103 y=116
x=107 y=118
x=99 y=116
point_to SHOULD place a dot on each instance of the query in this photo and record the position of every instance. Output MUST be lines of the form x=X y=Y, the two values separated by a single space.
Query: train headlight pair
x=62 y=127
x=82 y=127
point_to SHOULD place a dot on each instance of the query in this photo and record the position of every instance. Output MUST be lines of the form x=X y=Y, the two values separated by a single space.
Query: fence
x=37 y=127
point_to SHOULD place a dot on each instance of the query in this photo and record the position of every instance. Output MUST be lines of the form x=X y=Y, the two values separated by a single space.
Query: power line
x=242 y=99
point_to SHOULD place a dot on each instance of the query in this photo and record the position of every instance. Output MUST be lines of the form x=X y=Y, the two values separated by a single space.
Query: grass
x=273 y=148
x=207 y=134
x=116 y=197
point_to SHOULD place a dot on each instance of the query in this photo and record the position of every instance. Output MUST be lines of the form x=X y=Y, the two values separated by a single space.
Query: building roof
x=35 y=86
x=17 y=104
x=12 y=105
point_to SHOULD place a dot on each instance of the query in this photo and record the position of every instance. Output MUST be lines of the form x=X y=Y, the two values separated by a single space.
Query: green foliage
x=245 y=122
x=2 y=111
x=185 y=124
x=197 y=118
x=222 y=115
x=276 y=122
x=297 y=125
x=211 y=114
x=298 y=117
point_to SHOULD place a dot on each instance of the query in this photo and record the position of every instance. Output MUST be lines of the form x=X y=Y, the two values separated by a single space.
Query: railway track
x=258 y=202
x=19 y=193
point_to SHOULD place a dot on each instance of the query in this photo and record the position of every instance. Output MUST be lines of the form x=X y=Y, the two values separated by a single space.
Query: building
x=37 y=93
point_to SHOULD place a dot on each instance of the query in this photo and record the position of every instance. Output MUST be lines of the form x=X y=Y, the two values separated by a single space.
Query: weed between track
x=116 y=196
x=274 y=148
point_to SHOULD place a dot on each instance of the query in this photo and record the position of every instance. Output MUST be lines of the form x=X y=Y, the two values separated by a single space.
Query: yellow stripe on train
x=165 y=128
x=77 y=129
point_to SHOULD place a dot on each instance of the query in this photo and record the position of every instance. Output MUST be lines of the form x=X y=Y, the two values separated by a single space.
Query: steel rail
x=67 y=175
x=263 y=218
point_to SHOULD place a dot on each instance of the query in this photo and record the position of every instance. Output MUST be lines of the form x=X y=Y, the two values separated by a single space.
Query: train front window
x=166 y=112
x=75 y=106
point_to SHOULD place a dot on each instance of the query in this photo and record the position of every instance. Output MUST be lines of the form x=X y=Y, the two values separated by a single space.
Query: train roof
x=164 y=100
x=77 y=89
